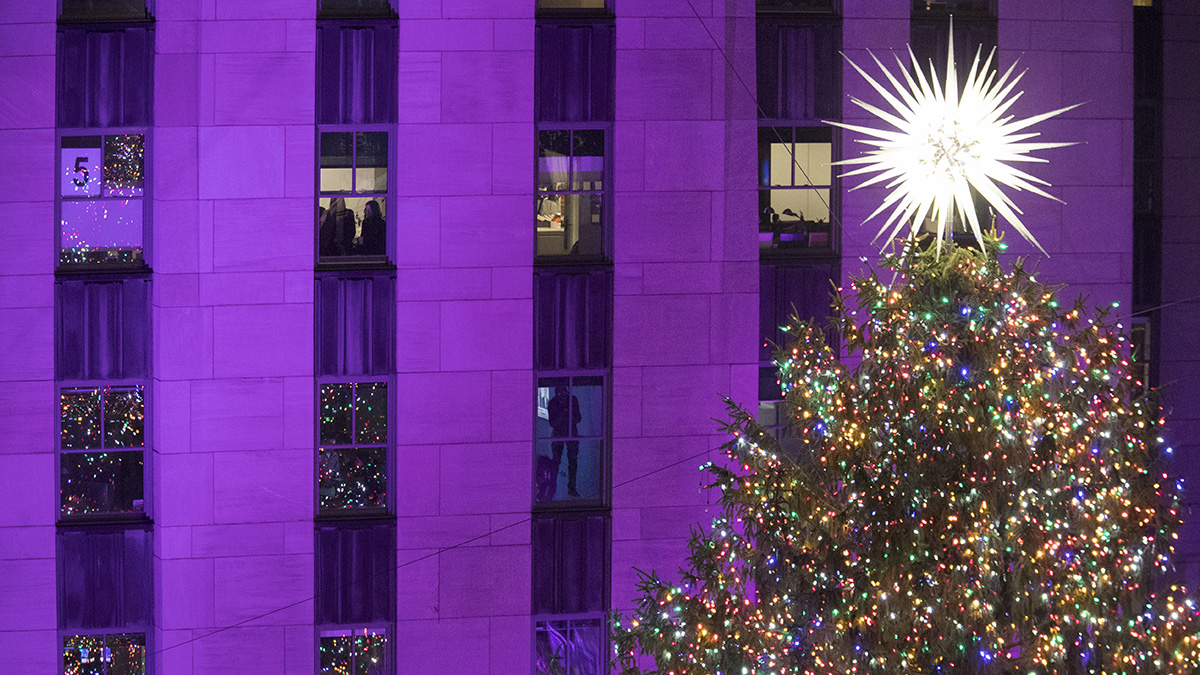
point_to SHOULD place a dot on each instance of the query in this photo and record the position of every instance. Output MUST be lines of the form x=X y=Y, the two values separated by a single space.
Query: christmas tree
x=981 y=491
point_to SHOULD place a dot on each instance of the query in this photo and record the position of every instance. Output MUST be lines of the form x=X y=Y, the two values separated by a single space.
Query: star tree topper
x=944 y=143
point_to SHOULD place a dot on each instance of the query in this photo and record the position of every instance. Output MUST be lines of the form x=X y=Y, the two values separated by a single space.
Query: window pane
x=579 y=477
x=83 y=655
x=352 y=478
x=369 y=654
x=101 y=230
x=352 y=226
x=551 y=656
x=794 y=218
x=123 y=418
x=371 y=162
x=568 y=647
x=570 y=224
x=371 y=413
x=584 y=647
x=80 y=414
x=101 y=482
x=337 y=161
x=336 y=414
x=554 y=150
x=588 y=393
x=358 y=653
x=80 y=172
x=124 y=164
x=337 y=654
x=127 y=654
x=587 y=161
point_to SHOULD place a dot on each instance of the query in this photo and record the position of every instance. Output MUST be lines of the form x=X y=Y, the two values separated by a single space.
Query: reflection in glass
x=101 y=482
x=794 y=178
x=117 y=654
x=102 y=418
x=370 y=412
x=358 y=653
x=124 y=159
x=353 y=414
x=568 y=647
x=336 y=414
x=352 y=478
x=570 y=424
x=101 y=181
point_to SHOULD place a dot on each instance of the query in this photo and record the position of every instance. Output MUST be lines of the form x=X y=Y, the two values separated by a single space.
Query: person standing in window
x=337 y=229
x=563 y=411
x=373 y=229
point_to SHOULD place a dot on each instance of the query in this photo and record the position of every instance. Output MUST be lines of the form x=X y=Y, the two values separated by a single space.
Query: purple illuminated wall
x=231 y=159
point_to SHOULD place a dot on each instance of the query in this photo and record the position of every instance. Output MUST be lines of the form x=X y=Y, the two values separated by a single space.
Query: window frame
x=147 y=636
x=821 y=19
x=603 y=462
x=388 y=630
x=598 y=615
x=605 y=194
x=145 y=514
x=385 y=510
x=147 y=197
x=357 y=261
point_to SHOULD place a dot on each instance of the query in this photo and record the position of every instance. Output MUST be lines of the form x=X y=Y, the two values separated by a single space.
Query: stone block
x=259 y=650
x=487 y=86
x=682 y=400
x=482 y=582
x=684 y=156
x=660 y=329
x=175 y=164
x=444 y=407
x=248 y=586
x=445 y=159
x=512 y=405
x=665 y=84
x=420 y=78
x=237 y=415
x=509 y=643
x=486 y=334
x=184 y=489
x=183 y=342
x=418 y=335
x=177 y=249
x=419 y=227
x=172 y=415
x=242 y=37
x=466 y=639
x=438 y=532
x=263 y=234
x=32 y=652
x=416 y=285
x=241 y=288
x=275 y=88
x=27 y=165
x=652 y=231
x=27 y=354
x=30 y=416
x=648 y=472
x=629 y=154
x=187 y=593
x=485 y=478
x=26 y=542
x=264 y=486
x=253 y=539
x=447 y=35
x=238 y=162
x=486 y=231
x=27 y=91
x=512 y=158
x=27 y=600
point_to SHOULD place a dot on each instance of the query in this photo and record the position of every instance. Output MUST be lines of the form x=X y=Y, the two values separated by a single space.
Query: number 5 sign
x=79 y=175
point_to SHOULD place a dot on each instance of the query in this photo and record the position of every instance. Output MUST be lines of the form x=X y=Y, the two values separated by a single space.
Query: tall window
x=102 y=357
x=574 y=104
x=356 y=591
x=799 y=71
x=103 y=115
x=570 y=560
x=356 y=106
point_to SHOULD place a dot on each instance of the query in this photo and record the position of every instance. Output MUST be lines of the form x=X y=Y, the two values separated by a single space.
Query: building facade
x=387 y=336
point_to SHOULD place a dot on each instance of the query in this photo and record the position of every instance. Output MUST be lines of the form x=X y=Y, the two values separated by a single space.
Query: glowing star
x=945 y=144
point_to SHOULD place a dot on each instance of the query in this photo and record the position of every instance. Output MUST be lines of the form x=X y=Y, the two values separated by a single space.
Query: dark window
x=105 y=654
x=355 y=578
x=103 y=10
x=103 y=329
x=331 y=9
x=571 y=424
x=104 y=77
x=570 y=559
x=101 y=441
x=975 y=32
x=795 y=5
x=356 y=73
x=574 y=646
x=574 y=72
x=105 y=578
x=355 y=325
x=572 y=319
x=353 y=445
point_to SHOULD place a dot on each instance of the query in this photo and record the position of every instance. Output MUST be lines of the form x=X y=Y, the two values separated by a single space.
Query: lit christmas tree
x=981 y=493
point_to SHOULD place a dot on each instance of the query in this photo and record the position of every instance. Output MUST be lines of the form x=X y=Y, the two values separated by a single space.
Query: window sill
x=115 y=520
x=354 y=515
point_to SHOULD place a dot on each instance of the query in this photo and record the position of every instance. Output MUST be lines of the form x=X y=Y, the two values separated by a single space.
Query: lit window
x=352 y=209
x=570 y=195
x=101 y=186
x=794 y=187
x=353 y=452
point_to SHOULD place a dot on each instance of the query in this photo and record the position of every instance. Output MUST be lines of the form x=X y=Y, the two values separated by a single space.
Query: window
x=795 y=181
x=103 y=109
x=570 y=558
x=362 y=652
x=105 y=654
x=569 y=646
x=355 y=9
x=352 y=459
x=799 y=73
x=355 y=325
x=975 y=31
x=103 y=10
x=101 y=445
x=356 y=101
x=571 y=420
x=574 y=76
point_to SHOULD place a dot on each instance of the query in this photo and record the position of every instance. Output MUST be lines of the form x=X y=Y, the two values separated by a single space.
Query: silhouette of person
x=373 y=230
x=337 y=229
x=564 y=420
